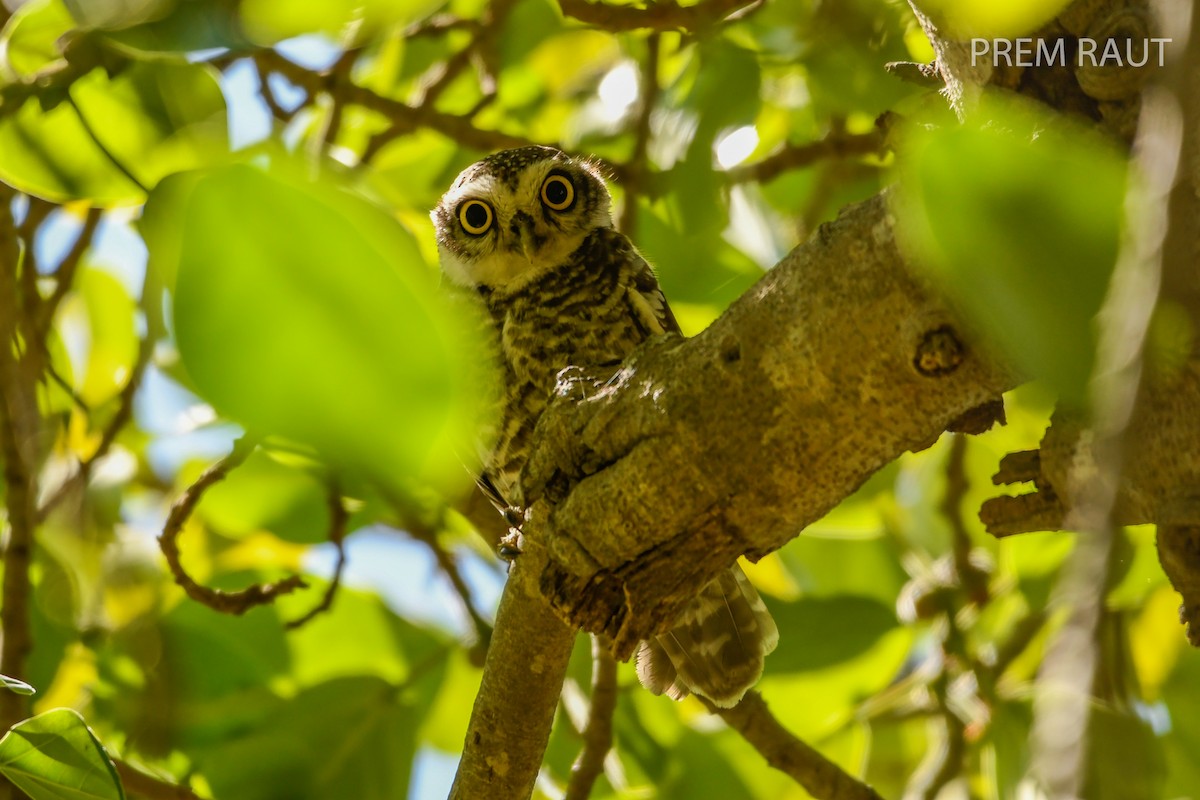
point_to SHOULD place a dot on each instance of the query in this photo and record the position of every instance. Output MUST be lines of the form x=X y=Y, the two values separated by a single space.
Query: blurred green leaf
x=110 y=137
x=833 y=629
x=29 y=40
x=358 y=635
x=1117 y=741
x=164 y=26
x=1017 y=214
x=829 y=565
x=348 y=737
x=112 y=340
x=348 y=21
x=208 y=655
x=964 y=19
x=265 y=494
x=55 y=756
x=1181 y=707
x=357 y=353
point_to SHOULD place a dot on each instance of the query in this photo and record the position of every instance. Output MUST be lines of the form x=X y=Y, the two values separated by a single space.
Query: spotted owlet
x=530 y=231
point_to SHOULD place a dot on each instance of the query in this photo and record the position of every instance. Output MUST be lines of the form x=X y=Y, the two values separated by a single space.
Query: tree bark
x=647 y=484
x=522 y=678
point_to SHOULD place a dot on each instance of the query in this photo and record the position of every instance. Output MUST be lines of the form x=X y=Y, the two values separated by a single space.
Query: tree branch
x=64 y=274
x=835 y=363
x=20 y=423
x=449 y=567
x=338 y=518
x=819 y=776
x=792 y=156
x=457 y=127
x=636 y=169
x=522 y=679
x=238 y=602
x=598 y=732
x=108 y=437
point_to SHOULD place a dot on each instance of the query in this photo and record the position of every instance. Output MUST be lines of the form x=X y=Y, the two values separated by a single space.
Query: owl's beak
x=522 y=230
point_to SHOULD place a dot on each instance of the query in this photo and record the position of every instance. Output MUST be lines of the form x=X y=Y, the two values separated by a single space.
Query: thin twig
x=838 y=145
x=819 y=776
x=338 y=517
x=428 y=535
x=598 y=732
x=237 y=602
x=103 y=148
x=36 y=214
x=971 y=578
x=108 y=436
x=439 y=24
x=666 y=15
x=141 y=784
x=66 y=386
x=338 y=73
x=64 y=274
x=636 y=167
x=268 y=95
x=455 y=126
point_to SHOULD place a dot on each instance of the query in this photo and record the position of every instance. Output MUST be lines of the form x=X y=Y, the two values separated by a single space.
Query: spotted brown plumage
x=563 y=288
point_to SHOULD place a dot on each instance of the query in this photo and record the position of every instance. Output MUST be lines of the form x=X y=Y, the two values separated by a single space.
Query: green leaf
x=349 y=737
x=55 y=756
x=1115 y=741
x=30 y=39
x=358 y=635
x=173 y=26
x=112 y=339
x=269 y=21
x=834 y=629
x=1018 y=215
x=265 y=494
x=965 y=19
x=14 y=685
x=111 y=137
x=306 y=312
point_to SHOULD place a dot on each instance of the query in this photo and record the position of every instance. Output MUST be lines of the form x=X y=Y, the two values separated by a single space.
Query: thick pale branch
x=522 y=679
x=829 y=368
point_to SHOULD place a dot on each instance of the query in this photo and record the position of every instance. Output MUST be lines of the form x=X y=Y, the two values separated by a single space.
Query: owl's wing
x=716 y=647
x=646 y=298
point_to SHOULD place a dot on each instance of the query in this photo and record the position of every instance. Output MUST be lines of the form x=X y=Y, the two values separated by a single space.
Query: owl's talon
x=510 y=546
x=515 y=517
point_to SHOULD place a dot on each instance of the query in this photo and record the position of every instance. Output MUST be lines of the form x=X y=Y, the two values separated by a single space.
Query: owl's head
x=516 y=214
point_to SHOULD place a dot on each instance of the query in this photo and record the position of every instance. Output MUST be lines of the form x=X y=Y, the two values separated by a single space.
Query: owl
x=530 y=233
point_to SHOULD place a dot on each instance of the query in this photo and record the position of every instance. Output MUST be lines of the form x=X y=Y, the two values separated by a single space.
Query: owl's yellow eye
x=558 y=193
x=475 y=217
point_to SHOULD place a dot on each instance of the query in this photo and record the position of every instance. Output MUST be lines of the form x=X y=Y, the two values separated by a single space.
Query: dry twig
x=598 y=732
x=338 y=517
x=238 y=602
x=819 y=776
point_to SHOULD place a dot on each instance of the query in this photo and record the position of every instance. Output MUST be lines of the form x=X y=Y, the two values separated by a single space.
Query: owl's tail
x=717 y=646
